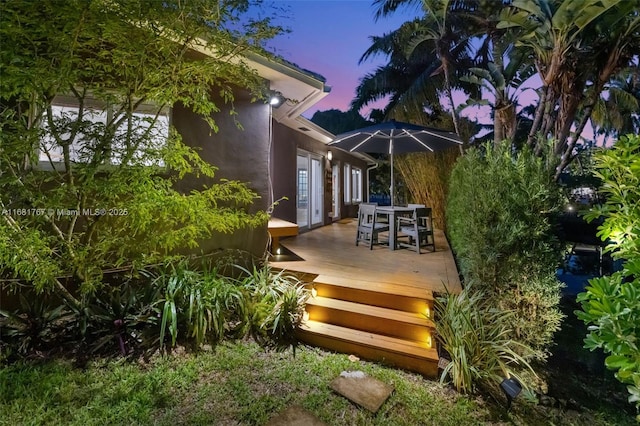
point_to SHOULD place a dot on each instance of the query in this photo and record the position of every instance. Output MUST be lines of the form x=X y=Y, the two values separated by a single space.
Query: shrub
x=276 y=305
x=499 y=216
x=118 y=318
x=99 y=186
x=477 y=338
x=611 y=305
x=204 y=304
x=34 y=327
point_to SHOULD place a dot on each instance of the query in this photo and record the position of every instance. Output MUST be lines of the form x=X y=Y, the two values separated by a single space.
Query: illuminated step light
x=314 y=292
x=305 y=316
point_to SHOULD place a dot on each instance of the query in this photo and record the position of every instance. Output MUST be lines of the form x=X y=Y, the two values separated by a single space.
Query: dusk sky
x=329 y=37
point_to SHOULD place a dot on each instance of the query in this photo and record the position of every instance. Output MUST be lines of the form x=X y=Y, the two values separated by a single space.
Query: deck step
x=379 y=287
x=410 y=355
x=384 y=295
x=374 y=319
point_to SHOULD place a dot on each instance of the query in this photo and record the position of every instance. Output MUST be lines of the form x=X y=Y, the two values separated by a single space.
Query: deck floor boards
x=331 y=251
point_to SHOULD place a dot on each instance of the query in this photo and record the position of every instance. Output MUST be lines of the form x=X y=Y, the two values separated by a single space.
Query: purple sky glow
x=329 y=37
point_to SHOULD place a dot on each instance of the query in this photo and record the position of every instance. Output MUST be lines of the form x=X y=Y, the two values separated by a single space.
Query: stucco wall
x=241 y=155
x=286 y=143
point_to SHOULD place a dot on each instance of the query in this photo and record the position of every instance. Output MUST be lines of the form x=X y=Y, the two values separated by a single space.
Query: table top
x=394 y=209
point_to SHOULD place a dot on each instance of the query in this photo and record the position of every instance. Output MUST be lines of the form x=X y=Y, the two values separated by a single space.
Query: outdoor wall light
x=511 y=388
x=276 y=99
x=329 y=156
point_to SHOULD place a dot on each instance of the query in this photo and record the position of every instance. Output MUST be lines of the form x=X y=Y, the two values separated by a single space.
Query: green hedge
x=499 y=219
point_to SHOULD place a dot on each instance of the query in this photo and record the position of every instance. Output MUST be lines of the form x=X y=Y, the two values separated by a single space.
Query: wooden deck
x=331 y=250
x=377 y=304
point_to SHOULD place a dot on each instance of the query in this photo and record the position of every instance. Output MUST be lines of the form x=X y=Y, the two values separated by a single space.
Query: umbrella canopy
x=394 y=137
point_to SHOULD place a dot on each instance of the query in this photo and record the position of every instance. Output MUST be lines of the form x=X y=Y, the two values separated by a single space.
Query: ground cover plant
x=169 y=305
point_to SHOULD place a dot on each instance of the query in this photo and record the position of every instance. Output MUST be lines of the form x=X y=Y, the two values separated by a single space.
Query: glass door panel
x=302 y=193
x=335 y=191
x=317 y=194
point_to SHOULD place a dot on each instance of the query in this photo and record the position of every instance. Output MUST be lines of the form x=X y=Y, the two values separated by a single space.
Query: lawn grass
x=241 y=383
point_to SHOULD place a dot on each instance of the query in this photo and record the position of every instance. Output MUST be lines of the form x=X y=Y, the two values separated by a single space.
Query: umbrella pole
x=392 y=182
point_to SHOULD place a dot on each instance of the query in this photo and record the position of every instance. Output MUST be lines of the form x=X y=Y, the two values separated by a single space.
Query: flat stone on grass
x=295 y=416
x=365 y=391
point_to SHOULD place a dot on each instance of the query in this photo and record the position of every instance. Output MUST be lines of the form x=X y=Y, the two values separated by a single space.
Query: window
x=352 y=184
x=135 y=139
x=347 y=183
x=303 y=188
x=356 y=185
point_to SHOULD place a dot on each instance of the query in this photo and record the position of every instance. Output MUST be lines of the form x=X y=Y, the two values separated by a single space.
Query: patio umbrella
x=394 y=137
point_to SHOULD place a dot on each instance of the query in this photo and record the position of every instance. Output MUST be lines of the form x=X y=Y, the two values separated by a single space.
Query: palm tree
x=426 y=57
x=619 y=112
x=407 y=81
x=505 y=85
x=578 y=46
x=444 y=34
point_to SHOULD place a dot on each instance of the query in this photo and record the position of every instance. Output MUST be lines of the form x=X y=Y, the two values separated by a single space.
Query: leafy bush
x=276 y=305
x=499 y=216
x=611 y=305
x=101 y=184
x=121 y=318
x=205 y=305
x=35 y=326
x=477 y=338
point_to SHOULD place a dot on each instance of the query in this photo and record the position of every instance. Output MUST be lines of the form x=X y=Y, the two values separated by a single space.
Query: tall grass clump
x=202 y=303
x=426 y=175
x=500 y=215
x=477 y=339
x=275 y=307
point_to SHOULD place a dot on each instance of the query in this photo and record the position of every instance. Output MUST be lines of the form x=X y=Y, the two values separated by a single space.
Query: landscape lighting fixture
x=329 y=156
x=511 y=388
x=276 y=99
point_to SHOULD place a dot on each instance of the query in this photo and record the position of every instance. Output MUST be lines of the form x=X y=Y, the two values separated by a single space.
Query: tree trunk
x=567 y=156
x=537 y=119
x=498 y=133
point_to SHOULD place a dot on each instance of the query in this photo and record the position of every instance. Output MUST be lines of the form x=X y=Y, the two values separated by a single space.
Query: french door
x=309 y=194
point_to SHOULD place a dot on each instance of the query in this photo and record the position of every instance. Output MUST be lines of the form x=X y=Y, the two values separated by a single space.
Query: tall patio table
x=392 y=212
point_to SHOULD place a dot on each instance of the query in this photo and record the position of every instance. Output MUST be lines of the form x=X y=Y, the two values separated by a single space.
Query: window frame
x=356 y=185
x=105 y=111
